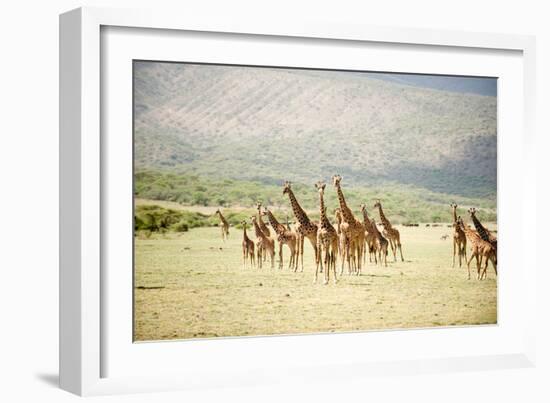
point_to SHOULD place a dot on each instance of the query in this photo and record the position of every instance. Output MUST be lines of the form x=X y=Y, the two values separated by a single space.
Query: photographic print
x=273 y=201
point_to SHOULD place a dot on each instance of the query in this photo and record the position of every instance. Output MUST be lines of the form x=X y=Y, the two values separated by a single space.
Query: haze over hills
x=266 y=125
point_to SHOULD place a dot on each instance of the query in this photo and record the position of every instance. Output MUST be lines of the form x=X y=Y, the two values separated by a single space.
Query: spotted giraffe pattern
x=389 y=232
x=352 y=228
x=264 y=244
x=248 y=248
x=224 y=225
x=480 y=249
x=304 y=228
x=379 y=243
x=284 y=237
x=459 y=239
x=483 y=232
x=327 y=239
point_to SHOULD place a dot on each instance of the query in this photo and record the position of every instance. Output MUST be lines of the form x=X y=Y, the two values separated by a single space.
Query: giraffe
x=380 y=244
x=262 y=225
x=370 y=237
x=389 y=232
x=248 y=248
x=459 y=239
x=284 y=237
x=327 y=239
x=480 y=249
x=304 y=227
x=351 y=227
x=224 y=225
x=344 y=244
x=483 y=232
x=264 y=243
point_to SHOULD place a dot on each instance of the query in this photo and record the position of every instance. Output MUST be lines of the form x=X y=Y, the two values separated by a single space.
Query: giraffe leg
x=333 y=258
x=484 y=276
x=454 y=253
x=392 y=245
x=327 y=264
x=317 y=264
x=469 y=261
x=302 y=251
x=280 y=255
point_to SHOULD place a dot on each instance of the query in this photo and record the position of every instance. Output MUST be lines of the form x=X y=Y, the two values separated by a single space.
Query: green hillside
x=259 y=125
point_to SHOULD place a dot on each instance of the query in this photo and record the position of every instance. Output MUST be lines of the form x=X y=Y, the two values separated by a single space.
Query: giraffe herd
x=483 y=243
x=349 y=239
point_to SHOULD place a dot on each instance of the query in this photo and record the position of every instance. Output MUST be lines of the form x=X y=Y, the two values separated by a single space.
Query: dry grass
x=193 y=285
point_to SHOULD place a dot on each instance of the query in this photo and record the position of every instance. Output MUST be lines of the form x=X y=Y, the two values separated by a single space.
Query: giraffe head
x=218 y=211
x=259 y=205
x=336 y=179
x=363 y=208
x=243 y=223
x=377 y=203
x=265 y=212
x=253 y=219
x=472 y=212
x=286 y=187
x=320 y=186
x=454 y=206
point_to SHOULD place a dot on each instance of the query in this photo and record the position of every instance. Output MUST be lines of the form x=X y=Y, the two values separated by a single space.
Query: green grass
x=193 y=285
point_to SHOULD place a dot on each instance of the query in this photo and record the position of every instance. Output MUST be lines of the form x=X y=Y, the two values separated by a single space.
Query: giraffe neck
x=279 y=229
x=258 y=231
x=454 y=215
x=366 y=220
x=323 y=220
x=346 y=212
x=383 y=217
x=299 y=213
x=262 y=225
x=375 y=228
x=222 y=218
x=480 y=229
x=245 y=236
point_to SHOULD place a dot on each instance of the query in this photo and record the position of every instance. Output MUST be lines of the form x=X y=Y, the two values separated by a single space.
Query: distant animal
x=352 y=228
x=264 y=244
x=483 y=232
x=459 y=239
x=389 y=232
x=305 y=228
x=248 y=248
x=480 y=249
x=444 y=237
x=327 y=239
x=284 y=237
x=381 y=243
x=224 y=225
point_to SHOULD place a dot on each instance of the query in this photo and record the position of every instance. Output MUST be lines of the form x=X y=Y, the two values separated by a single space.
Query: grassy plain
x=191 y=285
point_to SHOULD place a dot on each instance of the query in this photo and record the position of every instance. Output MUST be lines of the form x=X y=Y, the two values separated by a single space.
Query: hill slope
x=268 y=125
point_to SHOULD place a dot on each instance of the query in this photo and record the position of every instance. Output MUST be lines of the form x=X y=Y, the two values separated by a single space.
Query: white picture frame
x=87 y=345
